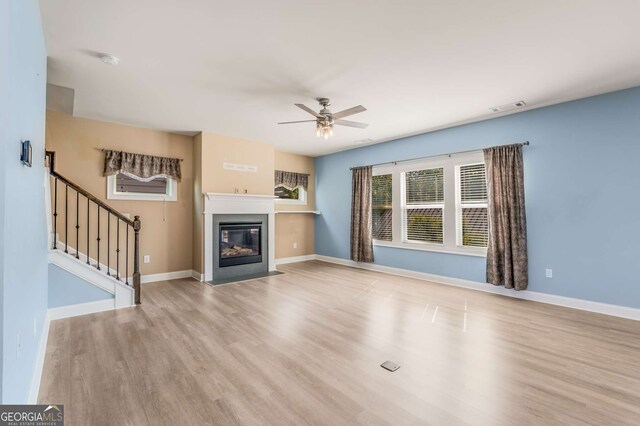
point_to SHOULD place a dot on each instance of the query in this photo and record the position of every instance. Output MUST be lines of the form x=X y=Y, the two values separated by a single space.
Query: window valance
x=292 y=180
x=141 y=167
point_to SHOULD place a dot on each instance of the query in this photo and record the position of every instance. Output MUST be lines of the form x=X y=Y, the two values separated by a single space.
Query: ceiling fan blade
x=351 y=124
x=309 y=110
x=350 y=111
x=292 y=122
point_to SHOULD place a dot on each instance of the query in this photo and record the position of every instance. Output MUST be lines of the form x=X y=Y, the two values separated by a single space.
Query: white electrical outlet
x=147 y=259
x=295 y=245
x=548 y=273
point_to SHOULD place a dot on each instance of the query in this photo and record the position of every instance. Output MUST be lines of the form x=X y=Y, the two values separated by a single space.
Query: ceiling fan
x=325 y=119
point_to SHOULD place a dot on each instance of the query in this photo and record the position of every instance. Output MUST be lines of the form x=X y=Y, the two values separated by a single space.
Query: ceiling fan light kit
x=325 y=119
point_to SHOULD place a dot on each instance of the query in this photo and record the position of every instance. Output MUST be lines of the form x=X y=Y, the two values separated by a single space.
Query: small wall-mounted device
x=25 y=153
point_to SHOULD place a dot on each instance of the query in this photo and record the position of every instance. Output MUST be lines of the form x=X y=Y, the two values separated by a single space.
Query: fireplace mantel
x=218 y=203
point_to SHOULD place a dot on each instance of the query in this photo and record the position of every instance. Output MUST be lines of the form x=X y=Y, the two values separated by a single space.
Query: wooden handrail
x=51 y=155
x=135 y=224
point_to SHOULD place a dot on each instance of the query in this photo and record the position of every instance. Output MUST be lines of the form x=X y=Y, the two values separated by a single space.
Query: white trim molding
x=124 y=294
x=295 y=259
x=81 y=309
x=551 y=299
x=197 y=276
x=165 y=276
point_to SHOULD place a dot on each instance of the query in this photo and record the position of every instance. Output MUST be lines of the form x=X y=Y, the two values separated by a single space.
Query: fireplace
x=239 y=243
x=239 y=210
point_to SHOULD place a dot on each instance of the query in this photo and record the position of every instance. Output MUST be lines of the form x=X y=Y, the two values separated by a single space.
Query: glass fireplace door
x=240 y=243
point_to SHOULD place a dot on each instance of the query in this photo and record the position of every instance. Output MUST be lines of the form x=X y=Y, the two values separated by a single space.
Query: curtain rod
x=526 y=143
x=105 y=149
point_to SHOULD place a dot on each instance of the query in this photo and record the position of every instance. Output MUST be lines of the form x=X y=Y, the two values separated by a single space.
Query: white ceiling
x=237 y=67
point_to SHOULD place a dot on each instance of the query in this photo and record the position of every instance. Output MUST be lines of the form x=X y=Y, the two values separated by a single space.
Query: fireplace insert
x=240 y=243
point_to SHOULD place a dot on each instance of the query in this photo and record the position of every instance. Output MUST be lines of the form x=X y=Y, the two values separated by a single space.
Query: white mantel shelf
x=298 y=212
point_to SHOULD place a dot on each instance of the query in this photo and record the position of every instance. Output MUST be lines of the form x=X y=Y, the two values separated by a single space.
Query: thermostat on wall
x=25 y=153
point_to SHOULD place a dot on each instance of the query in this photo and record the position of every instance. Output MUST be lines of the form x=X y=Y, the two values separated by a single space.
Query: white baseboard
x=164 y=276
x=39 y=367
x=81 y=309
x=197 y=276
x=569 y=302
x=295 y=259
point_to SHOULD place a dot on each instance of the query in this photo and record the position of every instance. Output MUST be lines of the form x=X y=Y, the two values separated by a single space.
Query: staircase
x=92 y=240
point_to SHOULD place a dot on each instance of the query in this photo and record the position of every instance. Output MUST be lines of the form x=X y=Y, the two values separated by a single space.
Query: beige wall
x=219 y=149
x=295 y=228
x=209 y=154
x=166 y=233
x=172 y=232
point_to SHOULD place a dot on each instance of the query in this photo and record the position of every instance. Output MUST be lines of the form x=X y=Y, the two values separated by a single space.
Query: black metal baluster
x=126 y=268
x=88 y=209
x=55 y=213
x=98 y=240
x=66 y=218
x=117 y=248
x=108 y=241
x=77 y=225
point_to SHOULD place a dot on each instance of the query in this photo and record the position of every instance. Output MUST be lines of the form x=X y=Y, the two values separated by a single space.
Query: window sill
x=433 y=248
x=141 y=197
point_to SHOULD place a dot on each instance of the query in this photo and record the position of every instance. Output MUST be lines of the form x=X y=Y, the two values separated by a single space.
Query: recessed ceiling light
x=109 y=59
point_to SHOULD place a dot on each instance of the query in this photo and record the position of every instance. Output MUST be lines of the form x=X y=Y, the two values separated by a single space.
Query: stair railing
x=111 y=215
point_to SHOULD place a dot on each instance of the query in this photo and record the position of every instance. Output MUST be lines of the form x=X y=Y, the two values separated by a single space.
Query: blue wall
x=23 y=228
x=67 y=289
x=582 y=194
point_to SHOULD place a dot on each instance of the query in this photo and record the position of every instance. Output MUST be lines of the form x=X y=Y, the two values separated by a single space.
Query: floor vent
x=391 y=366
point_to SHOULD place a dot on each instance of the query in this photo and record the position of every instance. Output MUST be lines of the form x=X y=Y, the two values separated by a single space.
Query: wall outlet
x=548 y=273
x=146 y=259
x=295 y=245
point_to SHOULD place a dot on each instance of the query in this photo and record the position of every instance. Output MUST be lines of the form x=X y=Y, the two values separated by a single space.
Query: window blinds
x=423 y=205
x=381 y=196
x=472 y=209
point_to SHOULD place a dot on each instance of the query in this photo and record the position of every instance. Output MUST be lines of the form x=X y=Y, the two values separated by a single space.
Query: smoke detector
x=109 y=59
x=507 y=107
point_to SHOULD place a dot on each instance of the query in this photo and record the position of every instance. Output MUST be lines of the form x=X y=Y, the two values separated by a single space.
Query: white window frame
x=302 y=197
x=450 y=217
x=460 y=205
x=171 y=193
x=404 y=207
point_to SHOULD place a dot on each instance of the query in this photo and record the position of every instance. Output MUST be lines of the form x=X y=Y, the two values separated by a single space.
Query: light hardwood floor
x=305 y=348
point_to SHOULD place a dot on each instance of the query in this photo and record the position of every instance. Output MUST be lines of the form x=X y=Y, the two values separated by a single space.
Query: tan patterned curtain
x=141 y=167
x=507 y=262
x=292 y=180
x=361 y=233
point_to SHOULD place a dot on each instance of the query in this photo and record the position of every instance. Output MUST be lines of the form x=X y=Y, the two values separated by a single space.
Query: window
x=436 y=204
x=381 y=197
x=471 y=206
x=124 y=187
x=423 y=206
x=286 y=195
